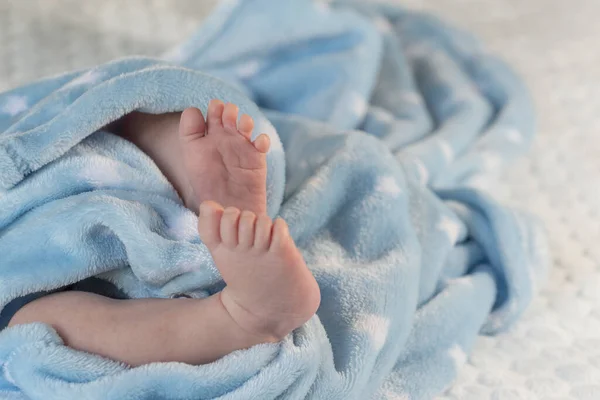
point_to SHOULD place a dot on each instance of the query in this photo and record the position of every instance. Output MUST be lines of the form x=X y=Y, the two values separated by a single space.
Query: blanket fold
x=388 y=121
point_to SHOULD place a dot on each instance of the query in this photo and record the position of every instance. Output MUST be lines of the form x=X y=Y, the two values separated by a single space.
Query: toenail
x=204 y=208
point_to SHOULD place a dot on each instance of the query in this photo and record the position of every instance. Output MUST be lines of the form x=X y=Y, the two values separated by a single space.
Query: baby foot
x=270 y=291
x=222 y=164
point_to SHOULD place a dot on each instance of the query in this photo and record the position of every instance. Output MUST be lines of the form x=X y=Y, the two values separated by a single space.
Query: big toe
x=280 y=238
x=192 y=125
x=209 y=222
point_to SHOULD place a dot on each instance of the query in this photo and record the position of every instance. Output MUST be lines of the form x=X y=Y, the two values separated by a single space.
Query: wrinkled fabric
x=380 y=121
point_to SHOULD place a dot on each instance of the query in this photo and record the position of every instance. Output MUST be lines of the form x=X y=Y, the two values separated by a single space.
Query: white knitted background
x=554 y=351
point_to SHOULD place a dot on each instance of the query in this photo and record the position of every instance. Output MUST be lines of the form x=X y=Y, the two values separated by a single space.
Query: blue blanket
x=386 y=118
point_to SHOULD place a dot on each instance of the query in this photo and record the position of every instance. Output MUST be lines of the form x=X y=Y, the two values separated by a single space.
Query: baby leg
x=269 y=293
x=141 y=331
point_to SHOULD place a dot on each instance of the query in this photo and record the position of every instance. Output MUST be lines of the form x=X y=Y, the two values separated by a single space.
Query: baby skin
x=220 y=173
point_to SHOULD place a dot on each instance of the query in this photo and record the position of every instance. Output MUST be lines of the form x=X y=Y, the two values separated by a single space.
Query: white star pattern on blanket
x=464 y=281
x=375 y=326
x=381 y=115
x=514 y=136
x=14 y=105
x=450 y=227
x=358 y=104
x=388 y=185
x=103 y=173
x=183 y=226
x=447 y=150
x=458 y=355
x=248 y=69
x=87 y=78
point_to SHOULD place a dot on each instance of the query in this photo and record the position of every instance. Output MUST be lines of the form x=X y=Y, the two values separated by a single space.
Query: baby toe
x=215 y=114
x=281 y=234
x=246 y=229
x=262 y=233
x=209 y=222
x=262 y=143
x=229 y=226
x=230 y=114
x=191 y=124
x=246 y=126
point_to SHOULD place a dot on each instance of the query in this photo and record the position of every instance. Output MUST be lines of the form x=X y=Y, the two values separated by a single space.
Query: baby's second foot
x=270 y=291
x=222 y=164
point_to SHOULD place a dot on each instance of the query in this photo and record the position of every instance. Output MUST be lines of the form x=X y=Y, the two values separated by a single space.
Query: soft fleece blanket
x=384 y=117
